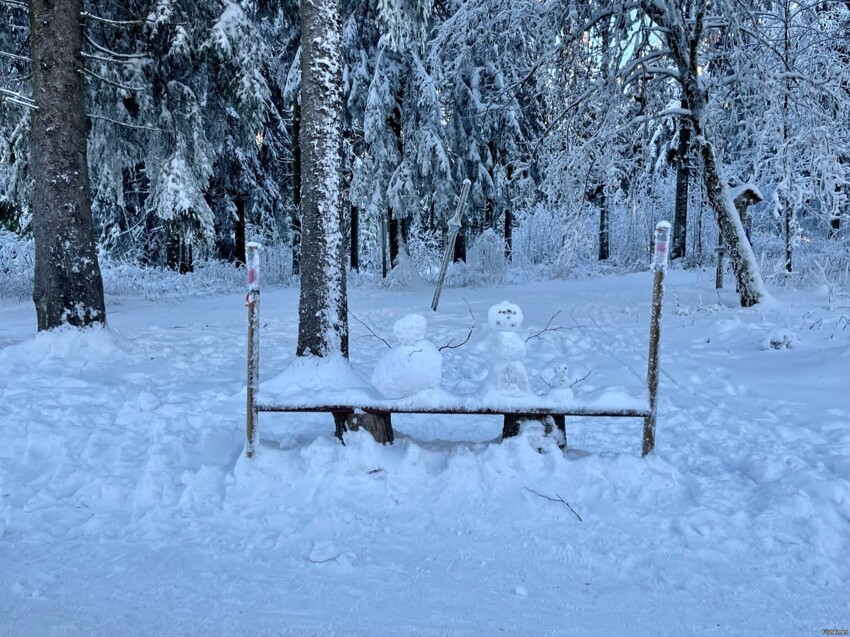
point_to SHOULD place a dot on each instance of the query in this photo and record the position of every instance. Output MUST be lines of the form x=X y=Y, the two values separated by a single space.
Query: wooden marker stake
x=659 y=266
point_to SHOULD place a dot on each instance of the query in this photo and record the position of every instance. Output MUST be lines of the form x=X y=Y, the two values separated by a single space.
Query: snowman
x=507 y=375
x=412 y=365
x=561 y=386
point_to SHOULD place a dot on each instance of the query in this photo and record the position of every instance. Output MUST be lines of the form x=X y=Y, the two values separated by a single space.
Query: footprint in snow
x=323 y=552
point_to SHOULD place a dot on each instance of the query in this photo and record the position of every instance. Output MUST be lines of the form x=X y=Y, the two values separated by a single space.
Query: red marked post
x=659 y=266
x=252 y=300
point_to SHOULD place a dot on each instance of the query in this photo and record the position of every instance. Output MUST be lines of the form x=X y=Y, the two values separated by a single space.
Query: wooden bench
x=376 y=416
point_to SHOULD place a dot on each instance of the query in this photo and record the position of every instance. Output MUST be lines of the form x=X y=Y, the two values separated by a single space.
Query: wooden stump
x=513 y=424
x=379 y=424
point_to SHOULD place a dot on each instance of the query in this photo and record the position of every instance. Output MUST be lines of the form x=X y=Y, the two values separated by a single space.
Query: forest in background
x=567 y=117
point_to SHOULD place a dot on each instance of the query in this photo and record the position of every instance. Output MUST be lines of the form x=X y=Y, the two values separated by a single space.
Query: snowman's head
x=504 y=316
x=410 y=329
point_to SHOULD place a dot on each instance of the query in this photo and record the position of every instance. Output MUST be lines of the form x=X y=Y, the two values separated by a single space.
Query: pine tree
x=322 y=309
x=68 y=288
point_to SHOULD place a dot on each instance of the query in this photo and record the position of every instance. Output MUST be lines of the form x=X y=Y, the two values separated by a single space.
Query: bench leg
x=561 y=424
x=379 y=424
x=340 y=418
x=513 y=423
x=510 y=428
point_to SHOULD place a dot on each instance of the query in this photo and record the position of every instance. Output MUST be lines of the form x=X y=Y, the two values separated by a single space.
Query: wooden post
x=253 y=303
x=454 y=228
x=659 y=266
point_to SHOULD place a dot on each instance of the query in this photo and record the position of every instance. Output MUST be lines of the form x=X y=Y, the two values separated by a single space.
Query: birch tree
x=681 y=25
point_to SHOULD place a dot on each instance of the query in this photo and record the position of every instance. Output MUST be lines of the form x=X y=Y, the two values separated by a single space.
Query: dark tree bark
x=509 y=234
x=68 y=287
x=323 y=308
x=295 y=224
x=355 y=238
x=509 y=221
x=683 y=178
x=596 y=196
x=399 y=232
x=239 y=231
x=397 y=223
x=178 y=254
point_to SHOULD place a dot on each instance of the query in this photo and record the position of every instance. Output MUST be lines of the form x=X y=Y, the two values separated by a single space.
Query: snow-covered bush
x=210 y=276
x=486 y=259
x=550 y=242
x=17 y=259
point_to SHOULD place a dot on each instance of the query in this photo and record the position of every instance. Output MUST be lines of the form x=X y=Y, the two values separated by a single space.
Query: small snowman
x=560 y=389
x=413 y=365
x=507 y=375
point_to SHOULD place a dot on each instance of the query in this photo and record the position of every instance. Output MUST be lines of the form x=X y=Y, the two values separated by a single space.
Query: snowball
x=408 y=369
x=504 y=316
x=560 y=394
x=410 y=329
x=508 y=346
x=505 y=378
x=780 y=339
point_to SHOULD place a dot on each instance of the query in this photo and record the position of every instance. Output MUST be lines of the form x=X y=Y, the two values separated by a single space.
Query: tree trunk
x=744 y=266
x=239 y=231
x=460 y=245
x=683 y=177
x=509 y=234
x=398 y=238
x=604 y=244
x=355 y=238
x=68 y=288
x=295 y=222
x=323 y=307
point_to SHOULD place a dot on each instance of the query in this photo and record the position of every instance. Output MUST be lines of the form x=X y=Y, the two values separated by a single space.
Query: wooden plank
x=459 y=410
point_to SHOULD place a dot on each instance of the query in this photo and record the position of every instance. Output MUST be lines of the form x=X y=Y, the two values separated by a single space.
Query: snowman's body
x=507 y=375
x=413 y=365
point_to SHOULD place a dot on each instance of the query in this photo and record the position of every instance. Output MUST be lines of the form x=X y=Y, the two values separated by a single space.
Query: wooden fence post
x=253 y=303
x=659 y=266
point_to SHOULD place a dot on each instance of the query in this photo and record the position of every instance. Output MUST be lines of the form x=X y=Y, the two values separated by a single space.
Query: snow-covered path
x=127 y=508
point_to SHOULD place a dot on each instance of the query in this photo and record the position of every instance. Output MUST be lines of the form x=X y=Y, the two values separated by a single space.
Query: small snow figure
x=561 y=384
x=411 y=366
x=507 y=376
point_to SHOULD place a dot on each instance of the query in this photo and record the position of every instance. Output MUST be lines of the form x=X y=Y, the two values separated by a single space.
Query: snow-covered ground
x=127 y=506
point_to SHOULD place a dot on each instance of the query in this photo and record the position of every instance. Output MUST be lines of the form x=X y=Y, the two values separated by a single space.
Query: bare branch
x=117 y=23
x=370 y=329
x=579 y=380
x=557 y=499
x=113 y=83
x=13 y=100
x=547 y=328
x=125 y=124
x=15 y=57
x=468 y=334
x=123 y=56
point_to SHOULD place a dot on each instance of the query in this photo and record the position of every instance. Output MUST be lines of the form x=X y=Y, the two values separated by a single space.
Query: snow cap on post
x=662 y=239
x=252 y=251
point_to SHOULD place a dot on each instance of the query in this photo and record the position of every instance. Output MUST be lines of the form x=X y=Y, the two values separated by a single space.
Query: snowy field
x=127 y=506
